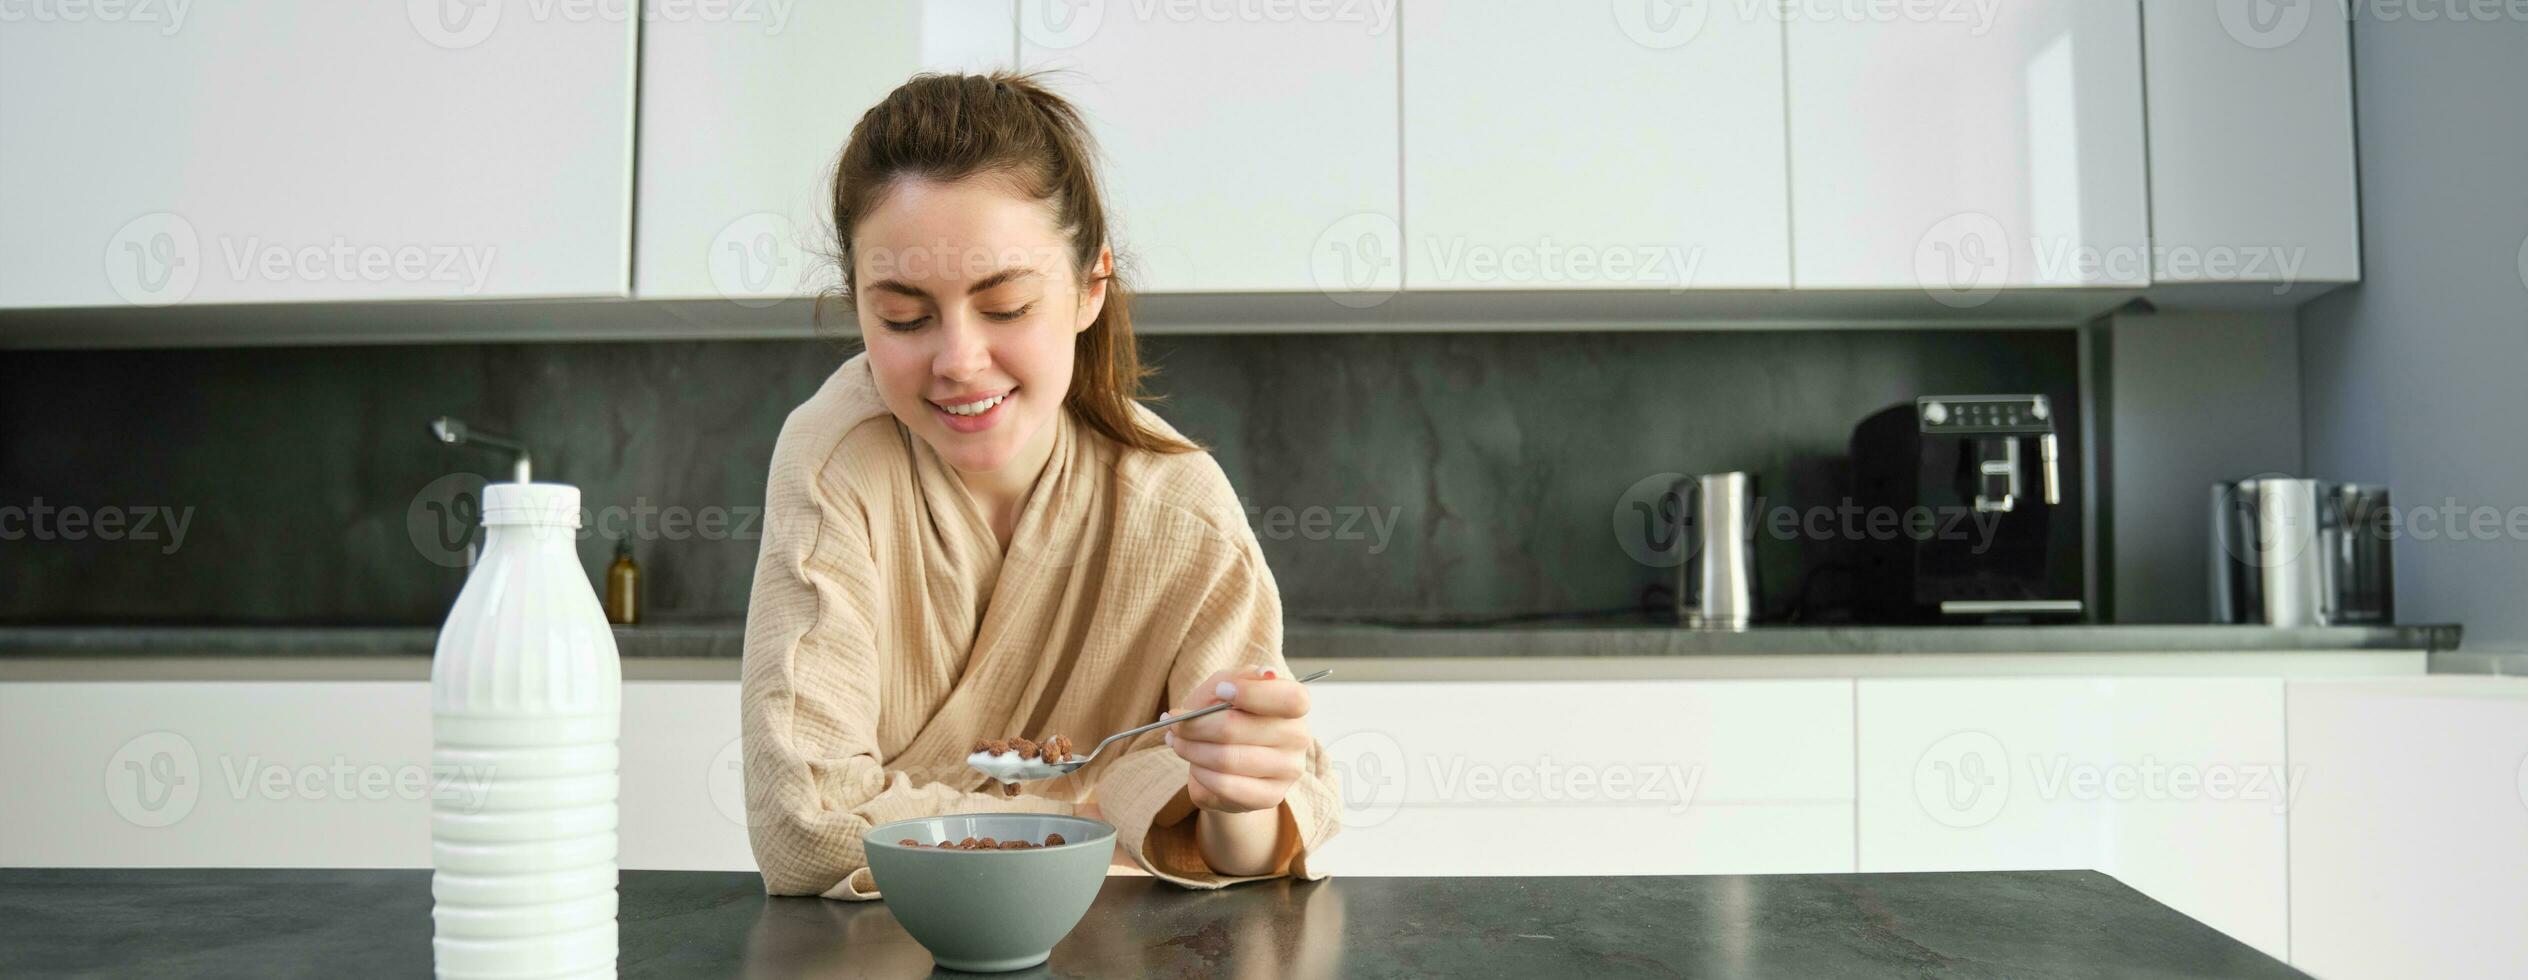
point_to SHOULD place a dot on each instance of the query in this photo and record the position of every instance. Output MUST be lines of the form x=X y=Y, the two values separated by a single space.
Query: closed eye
x=1005 y=316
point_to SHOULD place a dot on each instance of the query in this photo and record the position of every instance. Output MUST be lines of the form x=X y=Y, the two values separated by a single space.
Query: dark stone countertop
x=1313 y=640
x=373 y=923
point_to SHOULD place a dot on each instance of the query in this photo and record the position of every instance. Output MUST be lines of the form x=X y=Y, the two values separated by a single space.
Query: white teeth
x=973 y=408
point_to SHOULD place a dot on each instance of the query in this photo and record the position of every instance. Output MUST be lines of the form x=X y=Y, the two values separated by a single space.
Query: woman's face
x=969 y=303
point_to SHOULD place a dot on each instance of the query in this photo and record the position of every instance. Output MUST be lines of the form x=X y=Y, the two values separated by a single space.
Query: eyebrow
x=993 y=281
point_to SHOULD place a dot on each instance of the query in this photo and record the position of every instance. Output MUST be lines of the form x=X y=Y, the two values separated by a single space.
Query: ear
x=1093 y=295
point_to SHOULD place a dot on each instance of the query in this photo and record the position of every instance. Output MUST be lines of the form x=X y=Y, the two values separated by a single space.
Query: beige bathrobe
x=888 y=630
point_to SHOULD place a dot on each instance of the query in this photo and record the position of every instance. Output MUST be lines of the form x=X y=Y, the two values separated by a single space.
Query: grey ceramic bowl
x=988 y=911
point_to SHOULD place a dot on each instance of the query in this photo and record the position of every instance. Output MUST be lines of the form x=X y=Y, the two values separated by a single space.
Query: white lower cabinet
x=190 y=774
x=2409 y=849
x=2403 y=851
x=1590 y=778
x=2176 y=786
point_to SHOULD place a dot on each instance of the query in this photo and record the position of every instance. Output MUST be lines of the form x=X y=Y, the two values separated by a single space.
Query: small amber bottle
x=623 y=587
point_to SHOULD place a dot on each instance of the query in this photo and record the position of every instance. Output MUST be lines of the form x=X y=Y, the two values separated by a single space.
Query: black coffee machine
x=1981 y=531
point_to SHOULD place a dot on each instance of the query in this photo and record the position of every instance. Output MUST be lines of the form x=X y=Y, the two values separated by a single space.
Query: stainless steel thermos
x=1716 y=522
x=2297 y=552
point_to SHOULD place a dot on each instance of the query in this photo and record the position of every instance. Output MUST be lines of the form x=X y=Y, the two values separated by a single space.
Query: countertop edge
x=1314 y=640
x=1526 y=669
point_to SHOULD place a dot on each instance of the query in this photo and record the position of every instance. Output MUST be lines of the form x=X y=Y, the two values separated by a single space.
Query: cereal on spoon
x=1004 y=757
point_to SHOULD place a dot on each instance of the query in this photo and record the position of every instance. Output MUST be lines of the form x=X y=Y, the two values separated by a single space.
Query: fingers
x=1240 y=727
x=1261 y=761
x=1234 y=793
x=1255 y=689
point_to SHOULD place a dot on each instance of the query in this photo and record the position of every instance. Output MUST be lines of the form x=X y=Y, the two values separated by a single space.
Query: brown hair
x=950 y=127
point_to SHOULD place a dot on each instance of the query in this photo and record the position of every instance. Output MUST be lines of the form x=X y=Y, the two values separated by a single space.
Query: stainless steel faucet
x=455 y=432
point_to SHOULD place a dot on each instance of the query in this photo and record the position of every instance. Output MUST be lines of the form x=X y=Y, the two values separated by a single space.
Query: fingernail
x=1169 y=737
x=1268 y=673
x=1227 y=691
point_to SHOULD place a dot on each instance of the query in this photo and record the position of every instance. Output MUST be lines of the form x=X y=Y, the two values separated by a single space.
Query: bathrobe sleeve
x=1237 y=624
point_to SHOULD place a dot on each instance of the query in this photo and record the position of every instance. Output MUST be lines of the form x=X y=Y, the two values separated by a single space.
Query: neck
x=1002 y=493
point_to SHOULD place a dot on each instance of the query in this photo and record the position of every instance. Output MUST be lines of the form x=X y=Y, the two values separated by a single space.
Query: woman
x=976 y=531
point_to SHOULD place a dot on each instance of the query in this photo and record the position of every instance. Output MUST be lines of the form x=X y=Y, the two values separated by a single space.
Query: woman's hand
x=1246 y=758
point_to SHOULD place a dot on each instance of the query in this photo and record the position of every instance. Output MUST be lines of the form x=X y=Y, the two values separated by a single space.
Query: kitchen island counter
x=376 y=923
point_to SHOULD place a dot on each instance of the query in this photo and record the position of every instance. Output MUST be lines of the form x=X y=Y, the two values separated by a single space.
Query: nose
x=963 y=350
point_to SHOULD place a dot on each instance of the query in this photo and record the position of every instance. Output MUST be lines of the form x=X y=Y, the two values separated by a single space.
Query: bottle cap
x=623 y=547
x=544 y=504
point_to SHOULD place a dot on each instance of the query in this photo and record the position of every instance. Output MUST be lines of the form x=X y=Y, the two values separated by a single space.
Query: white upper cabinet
x=2252 y=172
x=170 y=153
x=742 y=121
x=1974 y=147
x=1551 y=148
x=1248 y=147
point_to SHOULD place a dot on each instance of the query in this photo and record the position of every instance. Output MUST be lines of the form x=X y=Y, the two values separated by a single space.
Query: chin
x=953 y=449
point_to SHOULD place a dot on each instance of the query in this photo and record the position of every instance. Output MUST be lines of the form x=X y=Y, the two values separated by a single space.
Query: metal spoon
x=1011 y=771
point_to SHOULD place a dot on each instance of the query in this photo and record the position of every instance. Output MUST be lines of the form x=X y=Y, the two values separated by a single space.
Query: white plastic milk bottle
x=526 y=701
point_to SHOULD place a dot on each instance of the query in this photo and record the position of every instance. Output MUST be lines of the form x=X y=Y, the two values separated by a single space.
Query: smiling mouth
x=976 y=407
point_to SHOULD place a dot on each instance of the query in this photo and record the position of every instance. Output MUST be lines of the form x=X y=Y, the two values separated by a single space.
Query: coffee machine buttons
x=1935 y=413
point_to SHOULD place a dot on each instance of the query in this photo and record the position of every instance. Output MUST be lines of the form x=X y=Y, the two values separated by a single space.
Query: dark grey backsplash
x=1399 y=476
